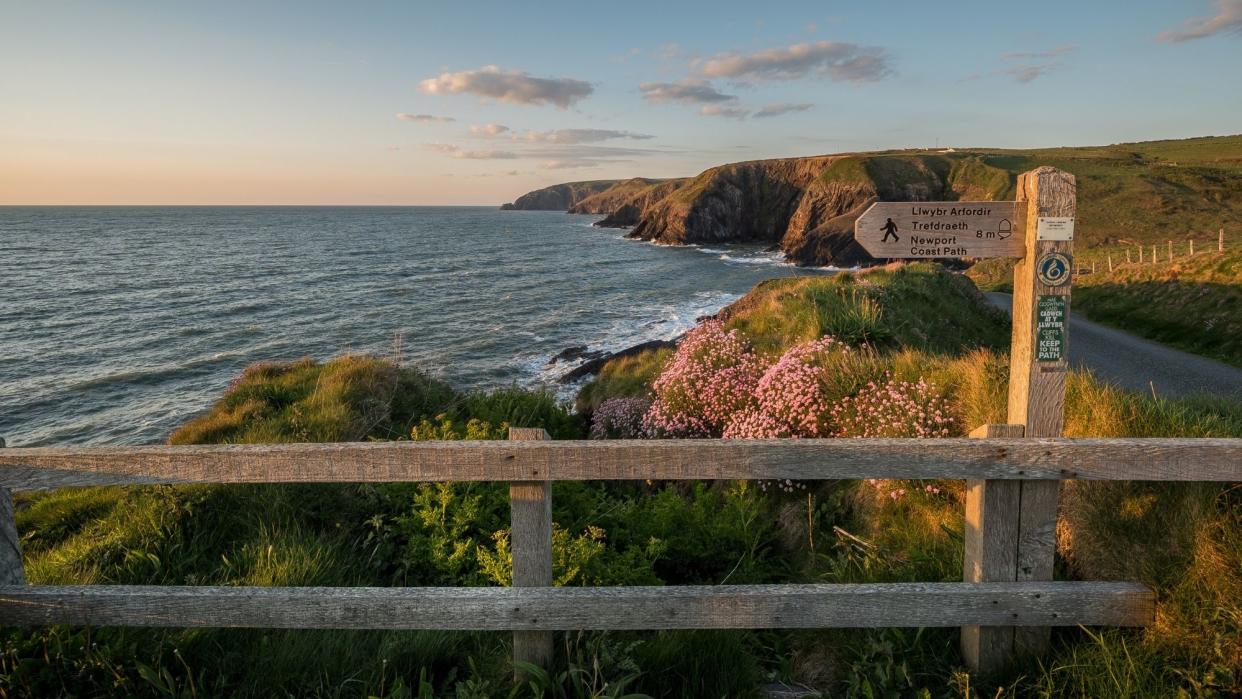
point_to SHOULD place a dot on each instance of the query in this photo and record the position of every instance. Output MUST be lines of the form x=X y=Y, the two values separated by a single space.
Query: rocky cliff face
x=807 y=206
x=559 y=197
x=804 y=206
x=629 y=210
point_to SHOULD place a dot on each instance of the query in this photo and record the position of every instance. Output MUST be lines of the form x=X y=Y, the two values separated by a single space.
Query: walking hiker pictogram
x=890 y=228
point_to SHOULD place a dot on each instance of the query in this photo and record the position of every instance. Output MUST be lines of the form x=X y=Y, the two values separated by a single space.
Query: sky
x=417 y=103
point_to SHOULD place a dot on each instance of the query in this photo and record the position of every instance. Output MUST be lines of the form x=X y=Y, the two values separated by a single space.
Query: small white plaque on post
x=1055 y=228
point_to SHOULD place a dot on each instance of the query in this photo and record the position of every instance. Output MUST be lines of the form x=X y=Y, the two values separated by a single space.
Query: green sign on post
x=1050 y=329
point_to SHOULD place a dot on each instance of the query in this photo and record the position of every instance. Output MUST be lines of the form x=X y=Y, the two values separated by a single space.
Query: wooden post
x=990 y=554
x=1093 y=266
x=12 y=572
x=1220 y=241
x=1192 y=247
x=1110 y=263
x=1128 y=256
x=1153 y=254
x=530 y=542
x=1170 y=251
x=1140 y=254
x=1037 y=368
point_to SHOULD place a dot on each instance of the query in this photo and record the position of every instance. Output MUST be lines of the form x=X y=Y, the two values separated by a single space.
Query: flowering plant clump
x=619 y=418
x=711 y=377
x=894 y=409
x=790 y=397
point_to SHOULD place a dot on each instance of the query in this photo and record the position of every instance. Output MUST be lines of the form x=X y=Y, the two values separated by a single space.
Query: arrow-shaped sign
x=931 y=229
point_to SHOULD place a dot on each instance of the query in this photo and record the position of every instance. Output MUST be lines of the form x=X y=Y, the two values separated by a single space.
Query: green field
x=1192 y=303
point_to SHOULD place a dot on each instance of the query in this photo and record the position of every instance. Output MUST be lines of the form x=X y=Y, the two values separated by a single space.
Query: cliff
x=1144 y=192
x=624 y=206
x=559 y=197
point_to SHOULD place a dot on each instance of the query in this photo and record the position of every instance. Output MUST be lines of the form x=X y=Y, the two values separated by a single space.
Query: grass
x=1184 y=540
x=1192 y=303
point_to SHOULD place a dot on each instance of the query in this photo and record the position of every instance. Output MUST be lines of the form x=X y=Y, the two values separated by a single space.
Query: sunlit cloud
x=1037 y=55
x=687 y=91
x=425 y=118
x=463 y=154
x=575 y=136
x=1227 y=20
x=773 y=110
x=836 y=60
x=723 y=111
x=512 y=86
x=488 y=130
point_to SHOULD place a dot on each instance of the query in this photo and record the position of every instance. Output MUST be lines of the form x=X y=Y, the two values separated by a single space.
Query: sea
x=117 y=324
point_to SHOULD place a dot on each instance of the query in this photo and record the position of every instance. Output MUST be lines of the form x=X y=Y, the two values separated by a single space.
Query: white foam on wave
x=652 y=322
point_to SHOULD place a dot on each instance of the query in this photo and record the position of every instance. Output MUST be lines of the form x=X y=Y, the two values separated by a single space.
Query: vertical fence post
x=1192 y=247
x=1037 y=369
x=1170 y=251
x=12 y=571
x=1153 y=255
x=1220 y=241
x=530 y=542
x=1110 y=263
x=990 y=555
x=1140 y=254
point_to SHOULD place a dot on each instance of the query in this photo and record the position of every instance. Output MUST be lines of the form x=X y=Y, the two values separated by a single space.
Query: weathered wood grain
x=1037 y=388
x=530 y=542
x=565 y=608
x=807 y=459
x=940 y=229
x=991 y=551
x=12 y=570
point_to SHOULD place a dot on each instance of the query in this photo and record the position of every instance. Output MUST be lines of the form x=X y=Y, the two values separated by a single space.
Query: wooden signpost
x=1018 y=517
x=937 y=229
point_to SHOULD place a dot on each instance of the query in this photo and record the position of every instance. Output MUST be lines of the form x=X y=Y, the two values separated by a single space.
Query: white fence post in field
x=1037 y=366
x=1220 y=241
x=12 y=571
x=530 y=542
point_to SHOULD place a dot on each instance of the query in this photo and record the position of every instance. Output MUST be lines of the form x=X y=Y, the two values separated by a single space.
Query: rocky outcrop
x=630 y=211
x=559 y=197
x=807 y=206
x=804 y=206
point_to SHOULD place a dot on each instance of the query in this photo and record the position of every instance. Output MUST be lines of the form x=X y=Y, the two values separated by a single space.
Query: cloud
x=462 y=154
x=513 y=86
x=778 y=109
x=721 y=111
x=836 y=60
x=1029 y=55
x=1027 y=73
x=688 y=91
x=1228 y=19
x=570 y=164
x=424 y=118
x=488 y=130
x=575 y=136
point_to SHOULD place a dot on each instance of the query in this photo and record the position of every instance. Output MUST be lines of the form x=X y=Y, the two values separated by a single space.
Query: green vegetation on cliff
x=1132 y=192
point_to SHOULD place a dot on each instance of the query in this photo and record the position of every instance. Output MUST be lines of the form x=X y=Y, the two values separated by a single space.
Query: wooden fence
x=533 y=608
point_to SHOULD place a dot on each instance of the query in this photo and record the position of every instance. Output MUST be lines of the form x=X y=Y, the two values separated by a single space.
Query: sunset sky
x=476 y=103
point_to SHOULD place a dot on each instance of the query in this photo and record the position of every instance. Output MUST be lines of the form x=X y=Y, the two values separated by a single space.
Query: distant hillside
x=1132 y=192
x=559 y=197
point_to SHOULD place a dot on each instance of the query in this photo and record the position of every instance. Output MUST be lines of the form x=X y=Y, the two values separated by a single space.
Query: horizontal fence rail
x=984 y=609
x=696 y=459
x=586 y=608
